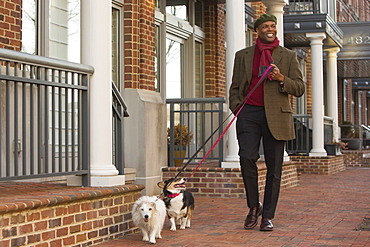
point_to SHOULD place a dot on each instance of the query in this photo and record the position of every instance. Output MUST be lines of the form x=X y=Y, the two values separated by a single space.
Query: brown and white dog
x=179 y=202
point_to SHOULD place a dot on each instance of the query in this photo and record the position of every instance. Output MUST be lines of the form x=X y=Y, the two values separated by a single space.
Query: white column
x=317 y=93
x=96 y=51
x=235 y=40
x=277 y=8
x=332 y=89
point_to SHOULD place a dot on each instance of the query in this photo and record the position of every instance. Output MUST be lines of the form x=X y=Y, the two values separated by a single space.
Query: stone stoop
x=130 y=175
x=66 y=216
x=227 y=182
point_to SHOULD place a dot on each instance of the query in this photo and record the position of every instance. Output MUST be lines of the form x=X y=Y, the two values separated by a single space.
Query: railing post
x=172 y=125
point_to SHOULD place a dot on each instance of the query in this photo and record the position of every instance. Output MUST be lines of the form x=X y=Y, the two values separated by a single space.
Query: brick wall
x=227 y=182
x=215 y=68
x=147 y=45
x=10 y=24
x=131 y=44
x=356 y=158
x=353 y=10
x=221 y=91
x=319 y=165
x=77 y=219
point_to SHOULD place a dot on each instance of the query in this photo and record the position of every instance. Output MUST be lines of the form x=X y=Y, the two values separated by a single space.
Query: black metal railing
x=303 y=142
x=300 y=7
x=119 y=112
x=44 y=114
x=198 y=117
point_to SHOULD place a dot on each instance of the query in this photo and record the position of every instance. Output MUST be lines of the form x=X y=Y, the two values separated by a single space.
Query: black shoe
x=266 y=225
x=252 y=218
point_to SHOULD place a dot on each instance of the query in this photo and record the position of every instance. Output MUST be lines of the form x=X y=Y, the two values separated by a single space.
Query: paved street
x=324 y=210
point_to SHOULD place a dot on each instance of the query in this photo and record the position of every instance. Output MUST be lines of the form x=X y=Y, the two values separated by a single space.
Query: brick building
x=157 y=50
x=84 y=85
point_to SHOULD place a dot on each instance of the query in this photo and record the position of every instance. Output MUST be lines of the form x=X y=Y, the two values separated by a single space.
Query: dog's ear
x=160 y=185
x=137 y=205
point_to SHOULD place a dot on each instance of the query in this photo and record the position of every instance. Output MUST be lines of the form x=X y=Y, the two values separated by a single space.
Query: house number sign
x=356 y=35
x=358 y=40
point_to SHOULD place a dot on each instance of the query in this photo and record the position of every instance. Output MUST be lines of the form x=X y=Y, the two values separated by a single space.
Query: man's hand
x=275 y=74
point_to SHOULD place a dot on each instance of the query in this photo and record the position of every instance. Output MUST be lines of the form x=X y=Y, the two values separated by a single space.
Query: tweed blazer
x=276 y=98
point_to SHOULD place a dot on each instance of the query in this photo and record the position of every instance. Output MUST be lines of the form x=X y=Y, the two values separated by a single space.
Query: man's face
x=267 y=31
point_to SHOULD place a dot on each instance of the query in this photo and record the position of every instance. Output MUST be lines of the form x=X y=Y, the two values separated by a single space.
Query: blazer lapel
x=277 y=54
x=248 y=62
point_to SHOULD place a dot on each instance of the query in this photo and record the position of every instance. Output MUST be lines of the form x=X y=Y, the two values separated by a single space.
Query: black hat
x=263 y=18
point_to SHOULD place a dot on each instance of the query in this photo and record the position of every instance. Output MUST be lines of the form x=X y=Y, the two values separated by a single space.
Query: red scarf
x=266 y=53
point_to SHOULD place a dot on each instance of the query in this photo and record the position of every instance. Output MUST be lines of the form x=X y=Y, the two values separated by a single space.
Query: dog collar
x=173 y=195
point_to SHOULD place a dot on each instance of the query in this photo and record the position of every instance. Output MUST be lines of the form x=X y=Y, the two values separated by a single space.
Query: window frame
x=172 y=26
x=118 y=5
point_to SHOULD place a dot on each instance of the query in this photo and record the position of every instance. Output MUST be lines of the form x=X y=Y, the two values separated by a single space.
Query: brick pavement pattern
x=324 y=210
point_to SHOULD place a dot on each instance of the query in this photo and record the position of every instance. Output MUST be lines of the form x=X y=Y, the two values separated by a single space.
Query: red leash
x=232 y=120
x=227 y=127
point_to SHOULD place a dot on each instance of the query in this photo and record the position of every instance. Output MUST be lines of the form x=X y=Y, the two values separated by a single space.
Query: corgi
x=179 y=202
x=149 y=214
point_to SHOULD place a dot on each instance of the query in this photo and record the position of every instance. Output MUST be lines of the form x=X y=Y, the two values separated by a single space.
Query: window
x=174 y=68
x=158 y=3
x=52 y=28
x=199 y=91
x=116 y=46
x=345 y=99
x=156 y=60
x=301 y=7
x=29 y=26
x=248 y=37
x=198 y=15
x=183 y=55
x=178 y=8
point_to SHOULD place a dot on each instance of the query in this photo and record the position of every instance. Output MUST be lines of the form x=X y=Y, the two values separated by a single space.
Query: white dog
x=148 y=214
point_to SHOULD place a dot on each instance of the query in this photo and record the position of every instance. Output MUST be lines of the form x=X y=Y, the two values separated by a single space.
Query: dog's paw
x=182 y=227
x=146 y=239
x=152 y=241
x=173 y=228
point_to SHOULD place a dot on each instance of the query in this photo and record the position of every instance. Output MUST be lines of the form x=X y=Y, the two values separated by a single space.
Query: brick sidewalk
x=324 y=210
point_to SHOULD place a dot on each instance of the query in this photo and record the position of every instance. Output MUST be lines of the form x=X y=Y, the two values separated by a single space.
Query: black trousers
x=251 y=126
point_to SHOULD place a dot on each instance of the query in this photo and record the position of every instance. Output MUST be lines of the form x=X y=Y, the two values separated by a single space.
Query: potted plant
x=182 y=137
x=353 y=133
x=335 y=148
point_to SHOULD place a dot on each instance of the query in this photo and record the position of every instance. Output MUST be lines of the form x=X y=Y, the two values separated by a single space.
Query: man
x=267 y=114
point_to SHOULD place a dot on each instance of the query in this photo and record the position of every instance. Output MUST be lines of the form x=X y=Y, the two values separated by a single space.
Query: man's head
x=265 y=26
